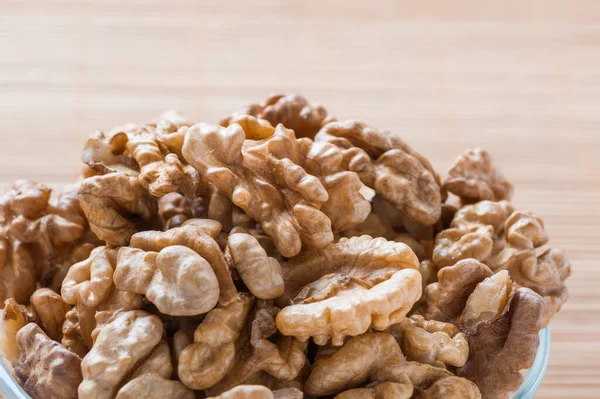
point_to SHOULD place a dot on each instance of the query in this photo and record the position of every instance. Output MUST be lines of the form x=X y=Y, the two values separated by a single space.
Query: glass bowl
x=533 y=376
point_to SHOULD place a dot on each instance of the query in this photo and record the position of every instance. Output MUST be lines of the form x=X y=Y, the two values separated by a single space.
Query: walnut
x=174 y=209
x=501 y=322
x=136 y=150
x=367 y=358
x=41 y=232
x=12 y=318
x=205 y=362
x=153 y=385
x=379 y=390
x=374 y=225
x=51 y=311
x=198 y=235
x=347 y=287
x=45 y=368
x=388 y=165
x=110 y=203
x=546 y=273
x=451 y=388
x=259 y=392
x=72 y=334
x=431 y=342
x=293 y=111
x=261 y=274
x=475 y=231
x=261 y=349
x=129 y=338
x=264 y=179
x=177 y=280
x=474 y=178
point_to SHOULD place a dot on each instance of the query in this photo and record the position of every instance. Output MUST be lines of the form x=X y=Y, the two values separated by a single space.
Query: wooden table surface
x=519 y=78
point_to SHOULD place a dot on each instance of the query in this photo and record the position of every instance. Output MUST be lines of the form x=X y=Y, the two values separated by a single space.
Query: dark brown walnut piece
x=117 y=206
x=45 y=369
x=474 y=177
x=293 y=111
x=388 y=165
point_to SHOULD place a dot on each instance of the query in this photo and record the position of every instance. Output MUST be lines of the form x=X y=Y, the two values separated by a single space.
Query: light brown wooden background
x=520 y=78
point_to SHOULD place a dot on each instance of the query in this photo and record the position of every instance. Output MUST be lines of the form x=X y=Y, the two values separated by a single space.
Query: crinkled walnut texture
x=367 y=358
x=136 y=151
x=199 y=236
x=431 y=342
x=12 y=318
x=501 y=322
x=174 y=209
x=117 y=206
x=475 y=232
x=177 y=280
x=129 y=338
x=259 y=392
x=261 y=349
x=261 y=274
x=51 y=311
x=387 y=164
x=154 y=386
x=546 y=273
x=293 y=111
x=473 y=178
x=451 y=388
x=347 y=287
x=379 y=390
x=258 y=168
x=41 y=234
x=45 y=369
x=205 y=362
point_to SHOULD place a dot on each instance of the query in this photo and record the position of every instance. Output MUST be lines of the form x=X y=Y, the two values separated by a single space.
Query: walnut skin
x=263 y=178
x=177 y=280
x=108 y=202
x=379 y=390
x=174 y=209
x=153 y=385
x=45 y=368
x=51 y=312
x=259 y=392
x=119 y=346
x=388 y=165
x=474 y=178
x=347 y=287
x=293 y=111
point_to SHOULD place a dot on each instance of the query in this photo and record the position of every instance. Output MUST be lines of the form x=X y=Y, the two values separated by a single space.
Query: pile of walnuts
x=278 y=254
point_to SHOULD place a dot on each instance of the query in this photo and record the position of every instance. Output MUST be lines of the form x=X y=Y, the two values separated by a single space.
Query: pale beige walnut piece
x=387 y=164
x=260 y=348
x=261 y=274
x=379 y=390
x=368 y=358
x=475 y=232
x=206 y=361
x=45 y=369
x=473 y=178
x=12 y=318
x=293 y=111
x=136 y=150
x=129 y=338
x=109 y=201
x=259 y=392
x=431 y=342
x=198 y=235
x=154 y=386
x=41 y=233
x=545 y=273
x=348 y=287
x=258 y=168
x=177 y=280
x=51 y=311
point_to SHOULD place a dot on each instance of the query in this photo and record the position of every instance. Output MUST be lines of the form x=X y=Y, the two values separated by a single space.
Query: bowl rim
x=527 y=390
